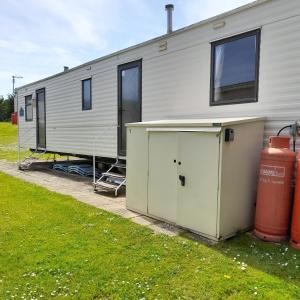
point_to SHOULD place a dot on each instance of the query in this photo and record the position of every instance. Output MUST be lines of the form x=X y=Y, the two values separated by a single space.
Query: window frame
x=82 y=93
x=26 y=116
x=212 y=102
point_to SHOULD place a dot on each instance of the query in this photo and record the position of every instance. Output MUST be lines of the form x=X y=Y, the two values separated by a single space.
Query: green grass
x=52 y=246
x=8 y=133
x=8 y=142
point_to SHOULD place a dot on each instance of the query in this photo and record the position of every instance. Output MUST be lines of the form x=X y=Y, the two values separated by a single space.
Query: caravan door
x=40 y=119
x=130 y=97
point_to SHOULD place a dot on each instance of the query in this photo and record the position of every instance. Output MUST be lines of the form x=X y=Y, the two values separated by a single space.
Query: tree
x=6 y=107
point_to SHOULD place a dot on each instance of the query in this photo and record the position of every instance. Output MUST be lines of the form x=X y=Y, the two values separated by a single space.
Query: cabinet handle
x=179 y=163
x=182 y=180
x=174 y=160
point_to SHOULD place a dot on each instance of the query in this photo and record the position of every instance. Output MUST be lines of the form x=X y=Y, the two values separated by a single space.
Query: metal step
x=24 y=166
x=114 y=175
x=28 y=161
x=106 y=185
x=120 y=165
x=112 y=181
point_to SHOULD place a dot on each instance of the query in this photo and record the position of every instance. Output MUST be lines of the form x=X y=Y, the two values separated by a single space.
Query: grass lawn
x=52 y=246
x=8 y=142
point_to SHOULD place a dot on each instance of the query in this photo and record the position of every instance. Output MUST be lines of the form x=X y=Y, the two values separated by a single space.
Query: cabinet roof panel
x=218 y=122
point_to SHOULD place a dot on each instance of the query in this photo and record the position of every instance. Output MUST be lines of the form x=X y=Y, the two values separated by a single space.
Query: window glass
x=28 y=108
x=86 y=94
x=235 y=63
x=130 y=83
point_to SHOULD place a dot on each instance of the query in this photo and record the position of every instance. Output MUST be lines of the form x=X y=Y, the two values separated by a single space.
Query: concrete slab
x=165 y=228
x=143 y=220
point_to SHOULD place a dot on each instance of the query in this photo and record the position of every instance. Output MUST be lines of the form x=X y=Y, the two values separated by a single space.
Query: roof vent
x=169 y=8
x=219 y=25
x=66 y=68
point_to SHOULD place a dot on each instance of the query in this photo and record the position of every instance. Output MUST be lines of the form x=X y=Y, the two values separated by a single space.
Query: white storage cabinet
x=198 y=174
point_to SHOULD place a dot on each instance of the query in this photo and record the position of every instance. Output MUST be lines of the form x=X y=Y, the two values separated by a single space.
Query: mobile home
x=245 y=62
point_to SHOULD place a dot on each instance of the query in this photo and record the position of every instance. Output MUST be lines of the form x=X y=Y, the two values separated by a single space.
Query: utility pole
x=14 y=77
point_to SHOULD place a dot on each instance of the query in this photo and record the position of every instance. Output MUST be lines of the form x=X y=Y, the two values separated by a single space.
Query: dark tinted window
x=130 y=99
x=235 y=69
x=28 y=108
x=86 y=94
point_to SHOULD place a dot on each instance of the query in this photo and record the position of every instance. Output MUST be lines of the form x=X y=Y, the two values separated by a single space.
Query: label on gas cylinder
x=272 y=172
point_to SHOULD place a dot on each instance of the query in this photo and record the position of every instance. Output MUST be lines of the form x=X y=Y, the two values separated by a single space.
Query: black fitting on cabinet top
x=229 y=134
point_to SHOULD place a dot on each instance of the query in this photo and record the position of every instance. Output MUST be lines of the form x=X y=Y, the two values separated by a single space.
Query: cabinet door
x=198 y=155
x=162 y=183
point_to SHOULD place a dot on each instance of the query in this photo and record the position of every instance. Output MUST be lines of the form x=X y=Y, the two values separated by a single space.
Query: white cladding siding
x=175 y=82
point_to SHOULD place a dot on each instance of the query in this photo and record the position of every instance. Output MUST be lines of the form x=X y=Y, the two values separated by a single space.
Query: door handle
x=182 y=180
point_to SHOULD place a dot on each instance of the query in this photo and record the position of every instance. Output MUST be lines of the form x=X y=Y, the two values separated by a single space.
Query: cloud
x=39 y=37
x=31 y=61
x=24 y=47
x=195 y=10
x=76 y=16
x=89 y=21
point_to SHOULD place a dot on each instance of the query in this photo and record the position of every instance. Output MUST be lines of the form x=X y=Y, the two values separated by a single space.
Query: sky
x=39 y=37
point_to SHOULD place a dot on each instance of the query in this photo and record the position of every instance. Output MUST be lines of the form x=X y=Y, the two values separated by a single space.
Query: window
x=234 y=67
x=28 y=108
x=87 y=94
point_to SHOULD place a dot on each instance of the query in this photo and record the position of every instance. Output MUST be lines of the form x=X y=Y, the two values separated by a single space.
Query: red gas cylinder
x=282 y=142
x=274 y=190
x=295 y=230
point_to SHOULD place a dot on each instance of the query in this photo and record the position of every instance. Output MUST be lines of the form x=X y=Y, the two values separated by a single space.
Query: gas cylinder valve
x=295 y=129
